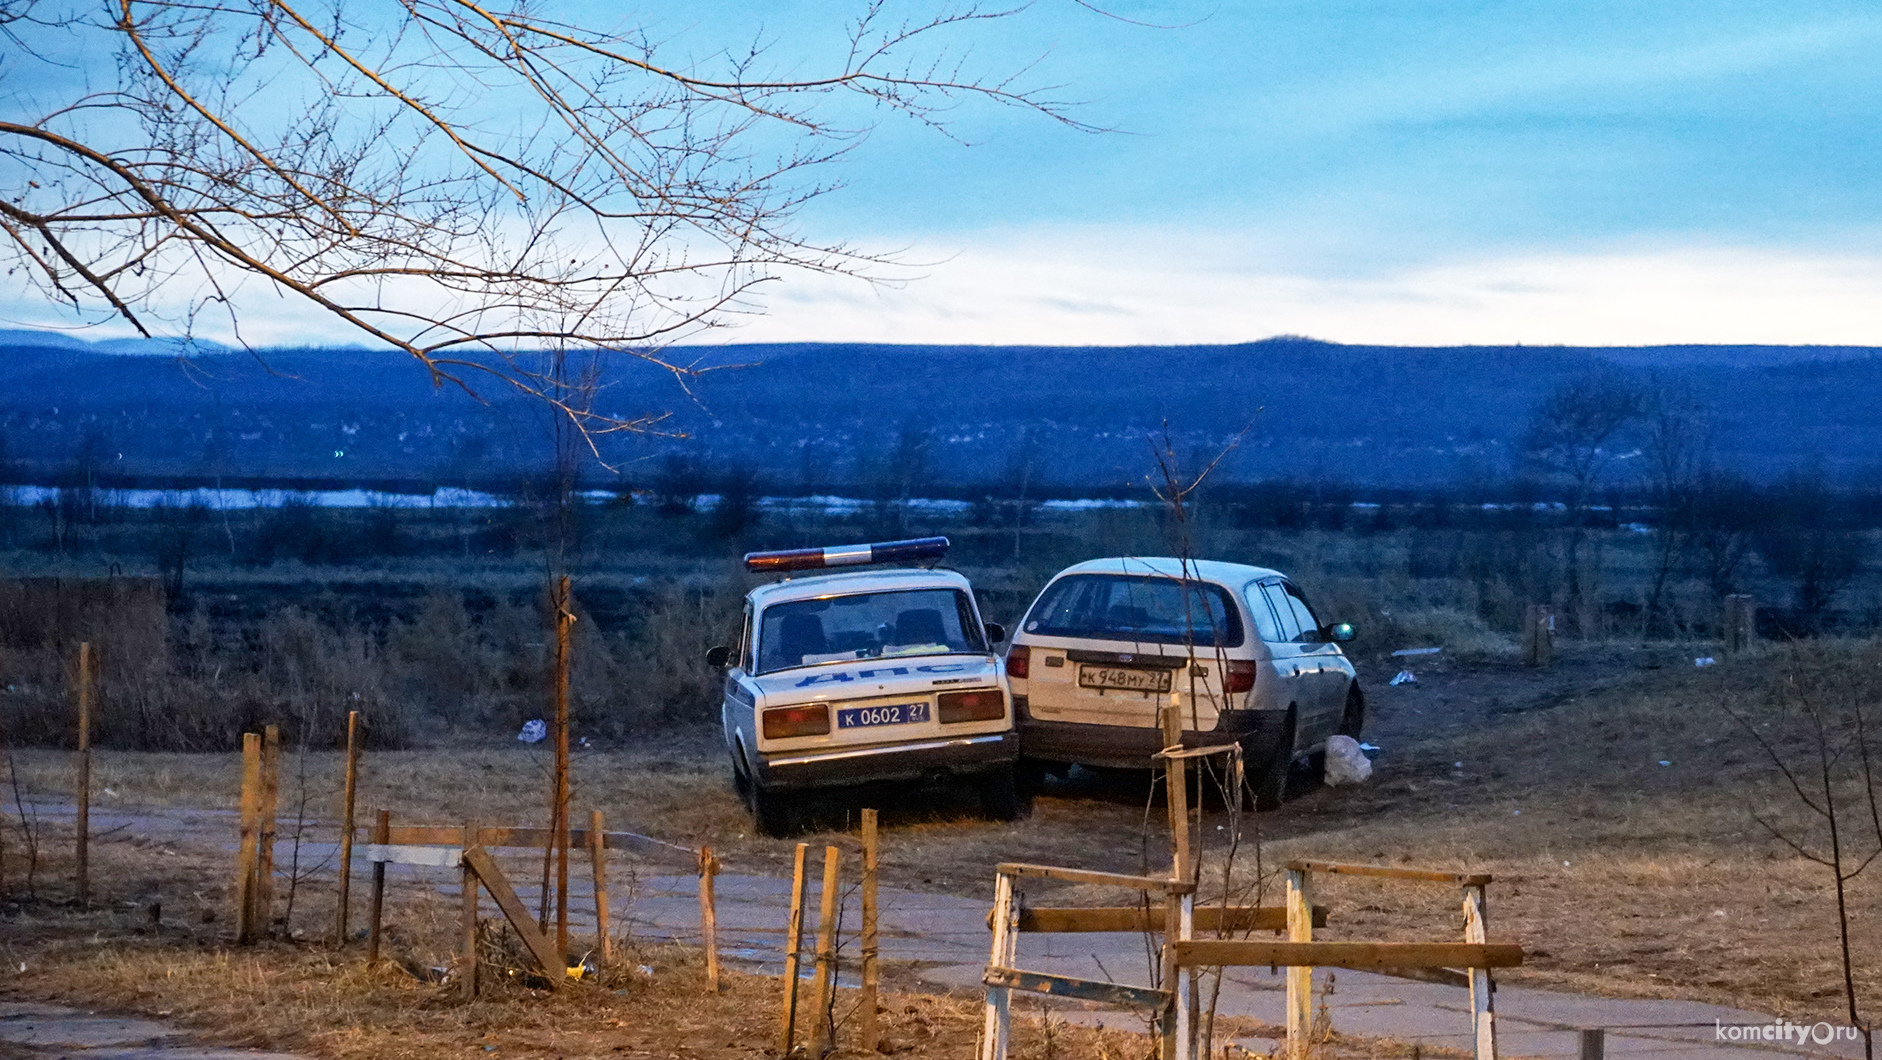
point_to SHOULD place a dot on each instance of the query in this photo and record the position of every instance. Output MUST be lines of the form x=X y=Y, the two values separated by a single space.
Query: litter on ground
x=1402 y=652
x=1405 y=677
x=533 y=731
x=1704 y=661
x=1346 y=763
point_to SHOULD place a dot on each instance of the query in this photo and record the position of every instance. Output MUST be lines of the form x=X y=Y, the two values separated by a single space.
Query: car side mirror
x=995 y=633
x=718 y=656
x=1341 y=633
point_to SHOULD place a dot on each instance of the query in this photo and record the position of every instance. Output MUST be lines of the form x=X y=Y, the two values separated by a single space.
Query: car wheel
x=774 y=814
x=1032 y=775
x=1001 y=798
x=740 y=782
x=1354 y=719
x=1267 y=779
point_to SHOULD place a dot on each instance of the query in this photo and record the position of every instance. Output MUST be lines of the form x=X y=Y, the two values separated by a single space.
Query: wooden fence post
x=250 y=839
x=871 y=1033
x=1482 y=1004
x=1538 y=635
x=346 y=827
x=824 y=1032
x=1299 y=979
x=1738 y=624
x=996 y=1027
x=793 y=942
x=709 y=915
x=467 y=876
x=83 y=838
x=381 y=835
x=598 y=856
x=1176 y=1022
x=270 y=797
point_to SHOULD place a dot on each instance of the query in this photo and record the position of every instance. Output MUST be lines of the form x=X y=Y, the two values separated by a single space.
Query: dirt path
x=942 y=940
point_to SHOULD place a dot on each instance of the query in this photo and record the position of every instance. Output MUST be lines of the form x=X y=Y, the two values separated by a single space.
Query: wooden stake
x=793 y=942
x=467 y=960
x=1178 y=909
x=555 y=966
x=1538 y=635
x=709 y=916
x=270 y=796
x=823 y=1036
x=84 y=772
x=381 y=835
x=997 y=1025
x=346 y=827
x=598 y=854
x=250 y=839
x=1738 y=624
x=1299 y=979
x=1482 y=1003
x=871 y=1033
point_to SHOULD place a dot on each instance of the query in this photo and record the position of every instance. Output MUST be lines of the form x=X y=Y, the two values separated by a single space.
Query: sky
x=1419 y=173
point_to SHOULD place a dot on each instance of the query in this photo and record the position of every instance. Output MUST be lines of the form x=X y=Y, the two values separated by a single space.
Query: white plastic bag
x=1346 y=763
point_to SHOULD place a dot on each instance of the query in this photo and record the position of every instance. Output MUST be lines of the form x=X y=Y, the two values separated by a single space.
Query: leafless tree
x=1725 y=508
x=1820 y=733
x=1808 y=538
x=452 y=180
x=1674 y=450
x=1570 y=435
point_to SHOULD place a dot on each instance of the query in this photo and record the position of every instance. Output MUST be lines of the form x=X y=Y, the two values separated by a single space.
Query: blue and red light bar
x=912 y=551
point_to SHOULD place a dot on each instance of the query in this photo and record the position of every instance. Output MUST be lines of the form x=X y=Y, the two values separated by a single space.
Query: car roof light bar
x=914 y=550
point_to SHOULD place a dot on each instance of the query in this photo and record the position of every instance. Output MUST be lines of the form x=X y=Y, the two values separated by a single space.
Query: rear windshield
x=867 y=626
x=1142 y=608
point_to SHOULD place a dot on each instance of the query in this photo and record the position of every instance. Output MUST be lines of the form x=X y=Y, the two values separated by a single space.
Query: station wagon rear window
x=1145 y=609
x=867 y=626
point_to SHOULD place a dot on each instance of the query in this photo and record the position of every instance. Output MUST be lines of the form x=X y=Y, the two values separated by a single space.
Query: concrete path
x=943 y=938
x=59 y=1033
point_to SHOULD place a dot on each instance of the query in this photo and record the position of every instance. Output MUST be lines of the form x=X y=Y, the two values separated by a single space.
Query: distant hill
x=818 y=415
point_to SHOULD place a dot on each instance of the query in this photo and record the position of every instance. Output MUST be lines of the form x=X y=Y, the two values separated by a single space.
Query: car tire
x=1032 y=775
x=741 y=782
x=773 y=813
x=1001 y=795
x=1267 y=781
x=1354 y=718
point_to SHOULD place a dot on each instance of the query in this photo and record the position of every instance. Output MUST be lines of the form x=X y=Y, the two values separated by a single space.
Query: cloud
x=1111 y=285
x=1104 y=288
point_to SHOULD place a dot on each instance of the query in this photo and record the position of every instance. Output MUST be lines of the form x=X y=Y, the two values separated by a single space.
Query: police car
x=847 y=678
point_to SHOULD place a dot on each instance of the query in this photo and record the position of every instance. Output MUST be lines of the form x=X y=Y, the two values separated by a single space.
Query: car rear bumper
x=1260 y=732
x=916 y=760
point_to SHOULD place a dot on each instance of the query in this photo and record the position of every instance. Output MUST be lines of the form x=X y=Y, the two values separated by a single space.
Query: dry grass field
x=1612 y=797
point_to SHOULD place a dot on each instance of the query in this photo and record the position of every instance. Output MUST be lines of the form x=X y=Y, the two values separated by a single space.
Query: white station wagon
x=1237 y=649
x=842 y=679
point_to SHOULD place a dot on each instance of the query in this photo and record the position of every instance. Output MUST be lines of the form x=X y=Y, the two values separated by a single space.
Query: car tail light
x=1018 y=661
x=1241 y=677
x=785 y=722
x=986 y=704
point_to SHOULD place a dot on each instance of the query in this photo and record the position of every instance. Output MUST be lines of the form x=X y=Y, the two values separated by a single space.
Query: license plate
x=1124 y=677
x=895 y=714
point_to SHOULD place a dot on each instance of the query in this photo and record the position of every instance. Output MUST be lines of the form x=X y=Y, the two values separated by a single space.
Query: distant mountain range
x=817 y=415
